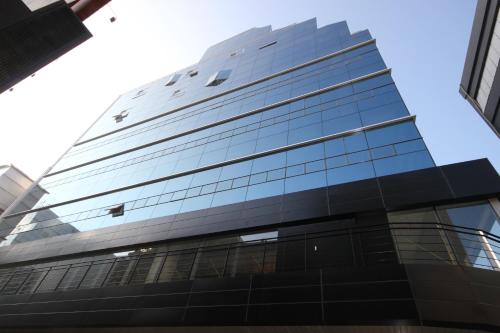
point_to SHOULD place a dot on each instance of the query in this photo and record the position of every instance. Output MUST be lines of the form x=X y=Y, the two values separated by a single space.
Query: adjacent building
x=13 y=184
x=480 y=83
x=278 y=184
x=34 y=33
x=19 y=190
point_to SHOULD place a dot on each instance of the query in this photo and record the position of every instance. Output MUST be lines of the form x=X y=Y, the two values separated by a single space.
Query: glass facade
x=464 y=234
x=264 y=113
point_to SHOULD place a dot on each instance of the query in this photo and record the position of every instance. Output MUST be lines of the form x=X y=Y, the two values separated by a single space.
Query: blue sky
x=424 y=42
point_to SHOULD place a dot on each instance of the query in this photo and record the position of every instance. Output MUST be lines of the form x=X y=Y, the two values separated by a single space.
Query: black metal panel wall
x=431 y=295
x=377 y=294
x=36 y=40
x=12 y=11
x=458 y=295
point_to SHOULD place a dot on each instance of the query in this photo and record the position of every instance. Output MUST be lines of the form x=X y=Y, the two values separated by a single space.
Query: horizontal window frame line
x=172 y=192
x=228 y=162
x=283 y=72
x=68 y=179
x=208 y=108
x=233 y=118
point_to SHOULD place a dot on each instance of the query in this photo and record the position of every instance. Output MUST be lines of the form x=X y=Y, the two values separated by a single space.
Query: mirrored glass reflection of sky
x=424 y=42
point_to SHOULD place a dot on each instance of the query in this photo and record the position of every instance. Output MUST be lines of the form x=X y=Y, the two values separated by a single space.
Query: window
x=192 y=72
x=178 y=93
x=392 y=134
x=478 y=215
x=209 y=263
x=51 y=280
x=267 y=45
x=218 y=78
x=172 y=80
x=120 y=272
x=177 y=266
x=15 y=283
x=117 y=210
x=467 y=237
x=140 y=93
x=120 y=116
x=236 y=53
x=96 y=274
x=403 y=163
x=350 y=173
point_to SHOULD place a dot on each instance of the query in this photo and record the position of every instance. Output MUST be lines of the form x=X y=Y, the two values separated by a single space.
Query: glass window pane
x=335 y=162
x=177 y=266
x=73 y=277
x=272 y=142
x=305 y=154
x=341 y=124
x=403 y=163
x=335 y=147
x=121 y=272
x=275 y=174
x=350 y=173
x=240 y=182
x=258 y=178
x=195 y=203
x=471 y=247
x=32 y=282
x=295 y=170
x=315 y=166
x=384 y=113
x=210 y=188
x=146 y=270
x=96 y=275
x=229 y=197
x=410 y=146
x=247 y=259
x=224 y=185
x=382 y=152
x=166 y=209
x=236 y=170
x=478 y=216
x=304 y=133
x=264 y=190
x=205 y=177
x=305 y=182
x=360 y=156
x=15 y=283
x=270 y=162
x=339 y=111
x=355 y=142
x=209 y=264
x=51 y=280
x=392 y=134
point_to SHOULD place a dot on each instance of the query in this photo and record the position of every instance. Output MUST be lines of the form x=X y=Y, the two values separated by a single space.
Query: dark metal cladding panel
x=12 y=11
x=472 y=179
x=37 y=40
x=413 y=188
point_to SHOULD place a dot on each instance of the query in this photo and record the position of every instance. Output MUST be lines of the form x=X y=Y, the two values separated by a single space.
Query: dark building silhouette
x=279 y=184
x=480 y=83
x=33 y=33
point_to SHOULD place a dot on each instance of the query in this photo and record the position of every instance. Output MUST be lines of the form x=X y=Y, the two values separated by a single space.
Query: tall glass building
x=280 y=181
